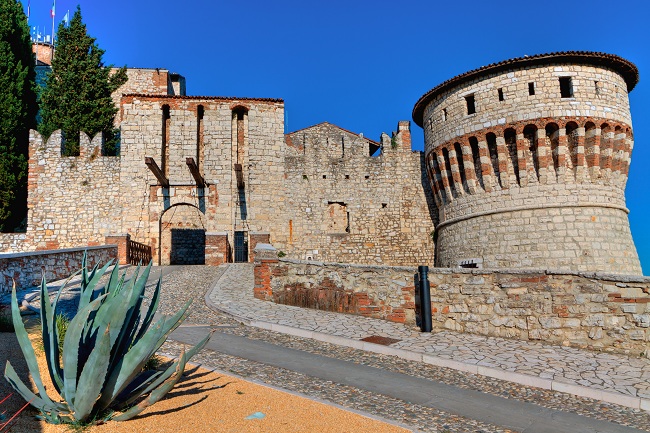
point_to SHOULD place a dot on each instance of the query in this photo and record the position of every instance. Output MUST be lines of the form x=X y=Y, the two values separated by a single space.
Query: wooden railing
x=138 y=253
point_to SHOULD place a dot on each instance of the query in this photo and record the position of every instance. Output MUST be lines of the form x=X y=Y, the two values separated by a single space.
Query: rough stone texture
x=533 y=180
x=27 y=269
x=596 y=311
x=73 y=200
x=345 y=205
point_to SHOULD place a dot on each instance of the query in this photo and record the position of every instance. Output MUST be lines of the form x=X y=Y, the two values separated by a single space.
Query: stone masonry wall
x=533 y=177
x=206 y=130
x=72 y=200
x=27 y=269
x=596 y=311
x=345 y=205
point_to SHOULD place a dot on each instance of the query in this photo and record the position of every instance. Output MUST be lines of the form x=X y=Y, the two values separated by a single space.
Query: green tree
x=77 y=93
x=17 y=112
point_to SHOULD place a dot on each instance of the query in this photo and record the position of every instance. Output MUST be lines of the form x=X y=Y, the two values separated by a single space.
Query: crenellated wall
x=71 y=199
x=343 y=204
x=528 y=161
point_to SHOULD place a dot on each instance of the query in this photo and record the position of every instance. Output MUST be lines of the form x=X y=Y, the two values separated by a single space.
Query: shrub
x=106 y=345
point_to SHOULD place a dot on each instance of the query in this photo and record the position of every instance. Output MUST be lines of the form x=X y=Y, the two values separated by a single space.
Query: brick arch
x=449 y=172
x=573 y=144
x=181 y=234
x=552 y=130
x=606 y=146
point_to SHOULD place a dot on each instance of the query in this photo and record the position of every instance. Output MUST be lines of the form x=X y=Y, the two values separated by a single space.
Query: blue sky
x=363 y=64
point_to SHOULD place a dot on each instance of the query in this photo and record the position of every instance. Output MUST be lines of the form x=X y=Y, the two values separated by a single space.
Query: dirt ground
x=203 y=401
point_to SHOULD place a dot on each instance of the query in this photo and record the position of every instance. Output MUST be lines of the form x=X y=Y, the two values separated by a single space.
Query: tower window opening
x=597 y=87
x=471 y=105
x=566 y=87
x=531 y=89
x=444 y=114
x=500 y=92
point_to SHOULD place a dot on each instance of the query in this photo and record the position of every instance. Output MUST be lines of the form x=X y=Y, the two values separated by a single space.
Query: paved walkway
x=612 y=378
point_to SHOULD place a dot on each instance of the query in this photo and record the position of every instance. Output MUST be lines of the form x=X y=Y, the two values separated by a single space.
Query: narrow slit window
x=566 y=87
x=531 y=89
x=500 y=92
x=471 y=105
x=597 y=87
x=444 y=114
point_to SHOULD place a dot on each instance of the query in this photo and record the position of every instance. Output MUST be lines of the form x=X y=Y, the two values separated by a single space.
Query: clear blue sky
x=363 y=64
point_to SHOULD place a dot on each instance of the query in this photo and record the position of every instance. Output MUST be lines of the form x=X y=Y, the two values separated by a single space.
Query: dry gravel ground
x=203 y=401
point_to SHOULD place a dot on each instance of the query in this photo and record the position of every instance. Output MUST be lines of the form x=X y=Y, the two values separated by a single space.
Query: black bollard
x=425 y=299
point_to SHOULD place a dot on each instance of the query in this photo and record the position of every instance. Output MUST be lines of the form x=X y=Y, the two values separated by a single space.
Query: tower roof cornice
x=627 y=69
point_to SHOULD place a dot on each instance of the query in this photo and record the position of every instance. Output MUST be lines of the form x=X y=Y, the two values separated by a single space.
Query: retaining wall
x=27 y=269
x=597 y=311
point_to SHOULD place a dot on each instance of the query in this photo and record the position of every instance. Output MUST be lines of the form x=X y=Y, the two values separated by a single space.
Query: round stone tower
x=528 y=160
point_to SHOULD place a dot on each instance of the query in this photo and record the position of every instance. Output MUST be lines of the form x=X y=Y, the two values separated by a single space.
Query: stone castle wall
x=172 y=129
x=343 y=204
x=532 y=177
x=596 y=311
x=71 y=199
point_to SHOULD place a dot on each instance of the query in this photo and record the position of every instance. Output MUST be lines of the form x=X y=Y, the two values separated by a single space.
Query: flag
x=28 y=2
x=66 y=18
x=53 y=10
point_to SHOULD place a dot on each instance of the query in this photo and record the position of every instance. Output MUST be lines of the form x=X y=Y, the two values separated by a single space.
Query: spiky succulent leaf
x=159 y=393
x=153 y=307
x=132 y=319
x=72 y=349
x=26 y=346
x=92 y=377
x=50 y=338
x=129 y=365
x=43 y=404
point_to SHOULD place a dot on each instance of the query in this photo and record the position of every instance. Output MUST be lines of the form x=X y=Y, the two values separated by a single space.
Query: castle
x=525 y=166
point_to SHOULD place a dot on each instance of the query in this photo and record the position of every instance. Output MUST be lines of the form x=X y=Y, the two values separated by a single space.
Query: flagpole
x=53 y=12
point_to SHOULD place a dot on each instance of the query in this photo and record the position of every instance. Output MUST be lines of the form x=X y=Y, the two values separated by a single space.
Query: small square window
x=500 y=91
x=324 y=177
x=566 y=87
x=347 y=176
x=531 y=89
x=383 y=205
x=471 y=106
x=367 y=176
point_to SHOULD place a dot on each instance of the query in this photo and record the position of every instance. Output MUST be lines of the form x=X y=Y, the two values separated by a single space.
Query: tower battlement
x=528 y=161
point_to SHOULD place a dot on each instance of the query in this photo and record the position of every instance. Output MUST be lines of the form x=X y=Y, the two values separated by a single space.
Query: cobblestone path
x=223 y=299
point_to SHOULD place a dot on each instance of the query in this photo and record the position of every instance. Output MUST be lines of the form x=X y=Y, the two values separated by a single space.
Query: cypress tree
x=77 y=94
x=17 y=112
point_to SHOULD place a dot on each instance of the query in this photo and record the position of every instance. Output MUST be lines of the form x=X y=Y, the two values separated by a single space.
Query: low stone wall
x=597 y=311
x=13 y=242
x=28 y=268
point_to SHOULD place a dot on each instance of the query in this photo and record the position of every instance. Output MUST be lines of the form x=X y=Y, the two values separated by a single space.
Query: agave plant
x=99 y=373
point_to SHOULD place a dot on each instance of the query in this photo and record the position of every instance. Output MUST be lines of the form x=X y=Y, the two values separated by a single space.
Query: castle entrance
x=182 y=235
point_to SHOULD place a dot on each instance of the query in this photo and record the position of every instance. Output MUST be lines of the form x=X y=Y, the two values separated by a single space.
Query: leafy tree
x=17 y=111
x=77 y=94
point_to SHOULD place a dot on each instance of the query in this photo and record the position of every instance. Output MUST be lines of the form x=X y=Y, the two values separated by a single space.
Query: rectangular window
x=471 y=107
x=566 y=87
x=444 y=114
x=531 y=89
x=500 y=91
x=597 y=87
